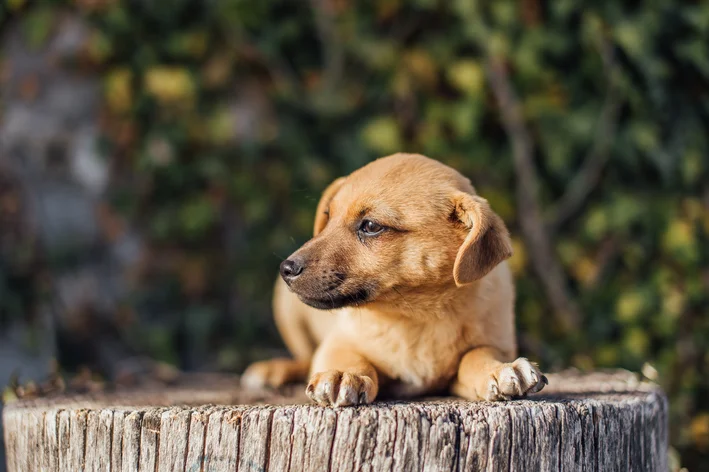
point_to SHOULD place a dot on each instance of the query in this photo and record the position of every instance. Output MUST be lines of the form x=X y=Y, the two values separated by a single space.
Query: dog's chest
x=417 y=358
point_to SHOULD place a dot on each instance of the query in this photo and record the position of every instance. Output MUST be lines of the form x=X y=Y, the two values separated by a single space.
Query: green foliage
x=226 y=120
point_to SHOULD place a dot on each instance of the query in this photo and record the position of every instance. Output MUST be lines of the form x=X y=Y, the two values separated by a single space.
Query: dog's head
x=403 y=224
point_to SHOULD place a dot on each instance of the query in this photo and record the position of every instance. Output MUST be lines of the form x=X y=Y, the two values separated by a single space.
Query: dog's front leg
x=483 y=375
x=275 y=373
x=341 y=376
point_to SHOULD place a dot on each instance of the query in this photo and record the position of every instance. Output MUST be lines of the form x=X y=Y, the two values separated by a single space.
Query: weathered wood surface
x=600 y=421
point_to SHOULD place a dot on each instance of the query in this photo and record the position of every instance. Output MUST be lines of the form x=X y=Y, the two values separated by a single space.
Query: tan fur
x=428 y=303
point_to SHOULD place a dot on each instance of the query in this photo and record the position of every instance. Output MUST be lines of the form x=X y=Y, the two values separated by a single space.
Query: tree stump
x=599 y=421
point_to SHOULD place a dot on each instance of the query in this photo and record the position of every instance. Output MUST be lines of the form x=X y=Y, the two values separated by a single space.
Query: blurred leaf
x=695 y=51
x=585 y=270
x=468 y=77
x=38 y=25
x=8 y=395
x=504 y=12
x=674 y=302
x=221 y=126
x=217 y=71
x=422 y=67
x=692 y=166
x=607 y=355
x=382 y=135
x=518 y=261
x=596 y=223
x=160 y=151
x=118 y=90
x=380 y=55
x=169 y=84
x=630 y=305
x=631 y=38
x=636 y=342
x=624 y=211
x=700 y=431
x=191 y=44
x=98 y=47
x=197 y=216
x=15 y=5
x=679 y=240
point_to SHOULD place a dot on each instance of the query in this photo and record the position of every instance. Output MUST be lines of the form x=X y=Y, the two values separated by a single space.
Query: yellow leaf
x=699 y=431
x=8 y=396
x=221 y=127
x=467 y=76
x=636 y=342
x=169 y=84
x=422 y=67
x=607 y=355
x=518 y=261
x=382 y=134
x=679 y=236
x=673 y=302
x=585 y=270
x=118 y=90
x=596 y=223
x=629 y=306
x=630 y=38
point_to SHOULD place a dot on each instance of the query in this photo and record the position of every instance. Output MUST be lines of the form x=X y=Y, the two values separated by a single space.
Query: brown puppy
x=410 y=265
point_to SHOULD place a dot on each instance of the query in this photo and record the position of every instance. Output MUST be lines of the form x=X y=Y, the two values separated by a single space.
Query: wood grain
x=597 y=421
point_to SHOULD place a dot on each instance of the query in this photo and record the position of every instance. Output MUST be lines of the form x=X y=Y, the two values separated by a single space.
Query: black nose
x=290 y=269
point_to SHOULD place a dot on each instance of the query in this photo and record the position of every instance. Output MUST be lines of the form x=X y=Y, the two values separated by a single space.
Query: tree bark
x=599 y=421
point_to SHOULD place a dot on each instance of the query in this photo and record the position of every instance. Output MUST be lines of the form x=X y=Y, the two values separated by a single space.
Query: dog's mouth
x=333 y=301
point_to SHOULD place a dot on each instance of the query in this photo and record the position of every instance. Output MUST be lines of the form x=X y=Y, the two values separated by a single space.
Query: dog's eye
x=370 y=228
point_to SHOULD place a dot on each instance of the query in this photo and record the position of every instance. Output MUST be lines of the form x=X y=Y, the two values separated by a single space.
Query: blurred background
x=159 y=159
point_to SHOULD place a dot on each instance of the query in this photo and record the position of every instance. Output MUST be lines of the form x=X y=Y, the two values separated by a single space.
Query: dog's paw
x=515 y=380
x=273 y=373
x=335 y=388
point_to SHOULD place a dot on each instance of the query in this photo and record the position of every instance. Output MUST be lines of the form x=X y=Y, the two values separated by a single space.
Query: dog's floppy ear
x=321 y=215
x=487 y=243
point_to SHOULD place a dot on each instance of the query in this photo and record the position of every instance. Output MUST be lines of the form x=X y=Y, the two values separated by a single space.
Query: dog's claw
x=335 y=388
x=515 y=380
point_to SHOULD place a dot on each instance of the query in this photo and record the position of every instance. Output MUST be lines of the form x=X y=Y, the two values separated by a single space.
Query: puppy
x=403 y=289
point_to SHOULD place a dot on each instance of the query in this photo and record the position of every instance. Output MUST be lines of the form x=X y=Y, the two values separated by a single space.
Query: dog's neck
x=418 y=304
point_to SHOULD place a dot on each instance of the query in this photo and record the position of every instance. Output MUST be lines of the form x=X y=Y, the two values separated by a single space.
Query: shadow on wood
x=599 y=421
